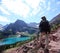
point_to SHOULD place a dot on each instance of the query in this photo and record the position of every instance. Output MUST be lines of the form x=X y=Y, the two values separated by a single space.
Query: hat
x=44 y=18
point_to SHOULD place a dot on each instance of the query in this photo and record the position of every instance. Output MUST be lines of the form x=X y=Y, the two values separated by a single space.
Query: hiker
x=44 y=28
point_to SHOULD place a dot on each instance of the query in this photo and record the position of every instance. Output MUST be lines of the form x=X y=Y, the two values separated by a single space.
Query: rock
x=40 y=50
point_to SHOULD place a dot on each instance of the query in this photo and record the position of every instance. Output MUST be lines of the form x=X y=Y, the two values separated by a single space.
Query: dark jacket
x=44 y=26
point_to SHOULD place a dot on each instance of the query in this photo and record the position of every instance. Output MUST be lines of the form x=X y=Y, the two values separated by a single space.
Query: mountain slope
x=35 y=25
x=1 y=27
x=55 y=20
x=20 y=26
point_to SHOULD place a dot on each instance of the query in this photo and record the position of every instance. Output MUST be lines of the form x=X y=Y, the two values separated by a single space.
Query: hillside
x=55 y=20
x=33 y=24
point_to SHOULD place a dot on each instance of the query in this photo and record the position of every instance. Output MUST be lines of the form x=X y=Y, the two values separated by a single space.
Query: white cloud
x=36 y=5
x=49 y=7
x=43 y=3
x=4 y=11
x=33 y=3
x=4 y=19
x=35 y=11
x=20 y=8
x=24 y=9
x=17 y=7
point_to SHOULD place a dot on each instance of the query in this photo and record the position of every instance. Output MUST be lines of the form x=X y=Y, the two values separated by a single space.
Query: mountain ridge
x=20 y=26
x=56 y=19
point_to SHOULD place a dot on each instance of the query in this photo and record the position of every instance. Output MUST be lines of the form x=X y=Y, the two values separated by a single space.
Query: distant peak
x=19 y=21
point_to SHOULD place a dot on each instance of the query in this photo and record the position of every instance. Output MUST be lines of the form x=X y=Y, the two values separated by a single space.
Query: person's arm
x=49 y=25
x=40 y=25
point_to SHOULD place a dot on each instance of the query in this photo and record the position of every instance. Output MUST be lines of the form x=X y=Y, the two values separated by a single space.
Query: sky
x=28 y=10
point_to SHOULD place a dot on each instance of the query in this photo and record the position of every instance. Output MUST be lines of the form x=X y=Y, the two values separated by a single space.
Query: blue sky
x=27 y=10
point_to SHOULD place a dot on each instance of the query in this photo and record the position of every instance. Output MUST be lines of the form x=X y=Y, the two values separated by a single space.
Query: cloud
x=27 y=8
x=54 y=9
x=49 y=6
x=4 y=11
x=36 y=6
x=4 y=19
x=43 y=3
x=33 y=3
x=17 y=6
x=30 y=7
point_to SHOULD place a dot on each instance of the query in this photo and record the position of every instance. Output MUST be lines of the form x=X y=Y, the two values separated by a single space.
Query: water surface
x=13 y=40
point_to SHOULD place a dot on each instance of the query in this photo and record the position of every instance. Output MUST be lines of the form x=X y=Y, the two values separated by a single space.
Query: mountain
x=1 y=27
x=19 y=26
x=35 y=25
x=5 y=26
x=56 y=20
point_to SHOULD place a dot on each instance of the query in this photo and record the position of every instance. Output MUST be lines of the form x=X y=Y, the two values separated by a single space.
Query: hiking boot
x=43 y=45
x=46 y=50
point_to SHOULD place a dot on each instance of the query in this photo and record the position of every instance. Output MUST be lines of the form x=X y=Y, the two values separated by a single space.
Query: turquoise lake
x=13 y=40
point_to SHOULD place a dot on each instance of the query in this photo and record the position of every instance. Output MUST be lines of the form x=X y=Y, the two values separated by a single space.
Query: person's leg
x=41 y=40
x=46 y=40
x=40 y=37
x=46 y=50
